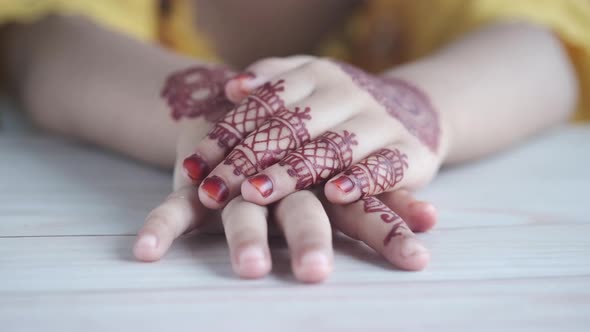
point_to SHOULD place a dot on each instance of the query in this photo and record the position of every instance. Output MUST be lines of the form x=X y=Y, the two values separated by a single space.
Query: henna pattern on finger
x=198 y=91
x=249 y=114
x=379 y=172
x=399 y=227
x=320 y=159
x=271 y=142
x=403 y=101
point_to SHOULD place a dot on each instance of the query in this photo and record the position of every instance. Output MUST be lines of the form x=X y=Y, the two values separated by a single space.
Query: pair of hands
x=274 y=134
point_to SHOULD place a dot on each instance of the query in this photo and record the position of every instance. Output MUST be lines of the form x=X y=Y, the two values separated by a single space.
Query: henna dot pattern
x=379 y=172
x=248 y=115
x=403 y=101
x=197 y=91
x=320 y=159
x=271 y=142
x=399 y=227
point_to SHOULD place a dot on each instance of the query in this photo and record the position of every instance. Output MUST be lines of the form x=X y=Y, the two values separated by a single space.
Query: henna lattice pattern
x=402 y=101
x=399 y=227
x=379 y=172
x=320 y=159
x=198 y=91
x=271 y=142
x=249 y=114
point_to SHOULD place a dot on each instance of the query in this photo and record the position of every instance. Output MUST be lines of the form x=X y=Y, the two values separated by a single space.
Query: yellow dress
x=419 y=27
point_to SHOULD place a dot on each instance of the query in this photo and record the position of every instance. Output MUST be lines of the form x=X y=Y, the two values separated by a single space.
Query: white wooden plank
x=95 y=263
x=51 y=187
x=544 y=304
x=510 y=253
x=547 y=177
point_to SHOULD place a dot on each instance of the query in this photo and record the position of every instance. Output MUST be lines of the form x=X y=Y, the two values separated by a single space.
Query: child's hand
x=195 y=95
x=302 y=120
x=305 y=224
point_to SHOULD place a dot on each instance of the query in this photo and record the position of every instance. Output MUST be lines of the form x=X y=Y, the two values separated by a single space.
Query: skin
x=476 y=88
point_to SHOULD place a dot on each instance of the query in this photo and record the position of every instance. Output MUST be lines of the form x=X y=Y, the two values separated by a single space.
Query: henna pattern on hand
x=399 y=227
x=271 y=142
x=403 y=101
x=379 y=172
x=198 y=91
x=263 y=103
x=320 y=159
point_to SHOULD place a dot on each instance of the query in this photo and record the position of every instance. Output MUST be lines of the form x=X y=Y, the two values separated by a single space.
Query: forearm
x=495 y=87
x=78 y=79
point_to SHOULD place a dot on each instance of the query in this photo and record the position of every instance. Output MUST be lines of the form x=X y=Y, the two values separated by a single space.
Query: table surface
x=510 y=252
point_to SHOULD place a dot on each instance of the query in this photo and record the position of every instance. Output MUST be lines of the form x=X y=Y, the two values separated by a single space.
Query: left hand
x=302 y=120
x=304 y=221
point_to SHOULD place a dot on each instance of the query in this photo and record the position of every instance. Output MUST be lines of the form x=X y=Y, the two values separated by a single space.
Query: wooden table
x=511 y=252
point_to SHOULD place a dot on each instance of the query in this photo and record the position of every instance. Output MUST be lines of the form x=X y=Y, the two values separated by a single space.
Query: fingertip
x=213 y=192
x=341 y=191
x=195 y=168
x=314 y=267
x=423 y=216
x=233 y=91
x=252 y=263
x=146 y=248
x=252 y=194
x=240 y=87
x=411 y=255
x=263 y=184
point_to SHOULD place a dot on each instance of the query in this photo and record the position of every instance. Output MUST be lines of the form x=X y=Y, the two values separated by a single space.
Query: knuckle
x=271 y=62
x=245 y=238
x=289 y=204
x=233 y=205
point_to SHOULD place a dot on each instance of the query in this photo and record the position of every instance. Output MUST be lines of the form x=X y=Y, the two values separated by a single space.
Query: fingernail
x=344 y=183
x=262 y=183
x=244 y=76
x=147 y=241
x=245 y=83
x=314 y=258
x=411 y=248
x=196 y=168
x=251 y=255
x=215 y=188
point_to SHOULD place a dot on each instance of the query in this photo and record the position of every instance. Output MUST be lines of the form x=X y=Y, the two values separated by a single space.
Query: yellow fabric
x=421 y=26
x=138 y=18
x=177 y=31
x=383 y=33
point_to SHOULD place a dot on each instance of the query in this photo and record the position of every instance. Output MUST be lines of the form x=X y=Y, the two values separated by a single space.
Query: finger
x=195 y=93
x=180 y=212
x=189 y=167
x=309 y=236
x=370 y=221
x=246 y=232
x=281 y=134
x=319 y=160
x=393 y=167
x=260 y=72
x=419 y=215
x=248 y=115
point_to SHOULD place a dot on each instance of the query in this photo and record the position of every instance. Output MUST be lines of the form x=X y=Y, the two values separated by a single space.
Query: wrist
x=421 y=74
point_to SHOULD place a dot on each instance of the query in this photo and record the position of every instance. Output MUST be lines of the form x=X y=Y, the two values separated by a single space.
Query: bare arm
x=497 y=86
x=76 y=78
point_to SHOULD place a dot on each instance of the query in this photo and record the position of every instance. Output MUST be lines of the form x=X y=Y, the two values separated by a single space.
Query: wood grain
x=510 y=252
